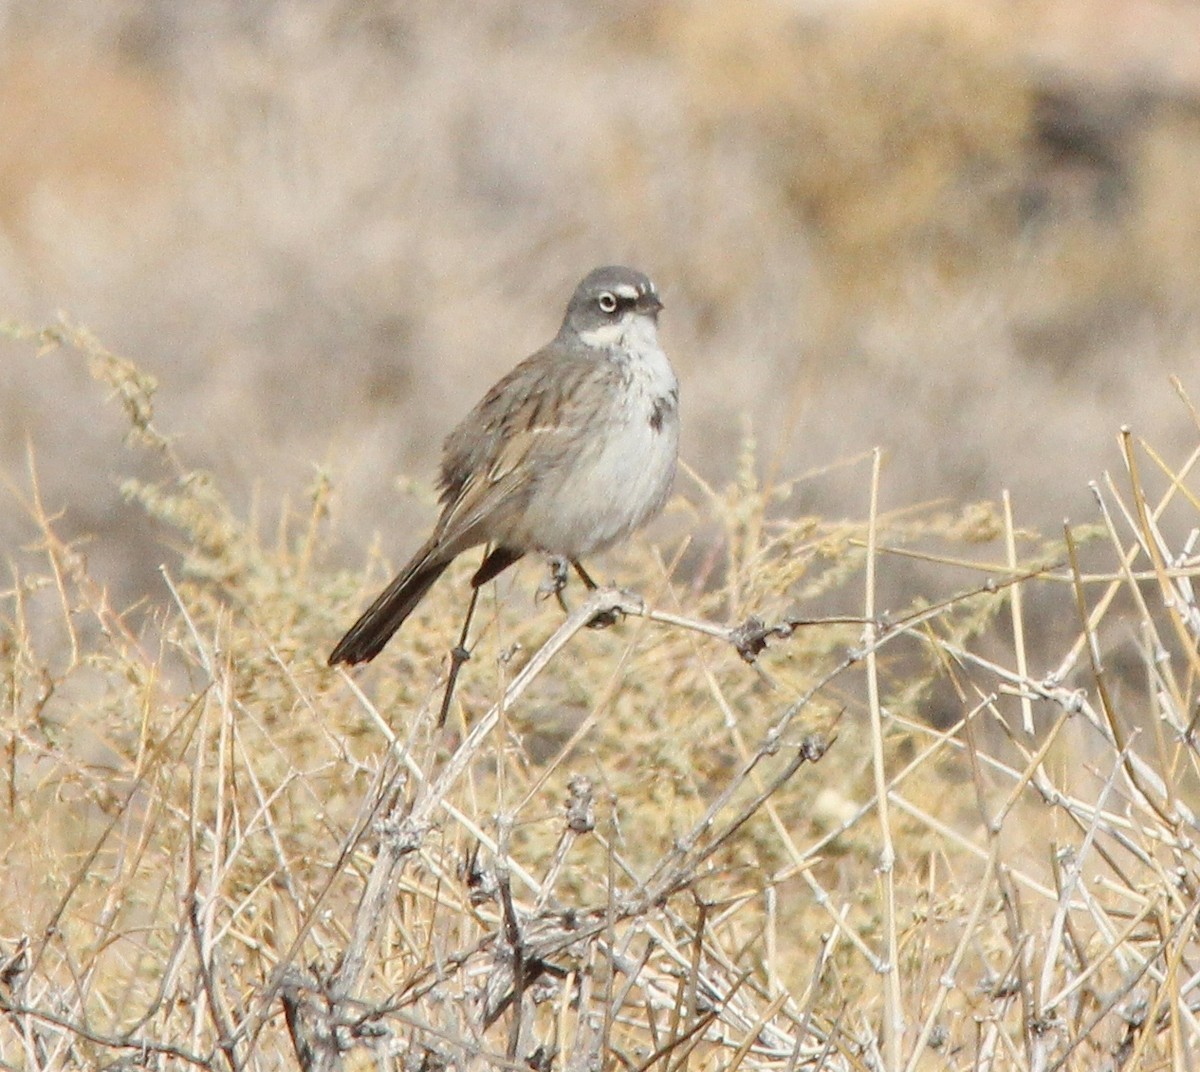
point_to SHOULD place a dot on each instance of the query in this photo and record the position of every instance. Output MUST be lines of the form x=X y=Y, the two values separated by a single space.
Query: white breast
x=625 y=479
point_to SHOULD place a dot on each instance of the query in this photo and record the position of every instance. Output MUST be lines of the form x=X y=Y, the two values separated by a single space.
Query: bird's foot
x=555 y=583
x=633 y=604
x=606 y=618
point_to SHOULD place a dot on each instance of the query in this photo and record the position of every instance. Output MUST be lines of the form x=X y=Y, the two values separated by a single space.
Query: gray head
x=608 y=303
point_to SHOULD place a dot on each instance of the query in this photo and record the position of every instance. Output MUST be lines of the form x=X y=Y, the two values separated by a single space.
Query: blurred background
x=968 y=232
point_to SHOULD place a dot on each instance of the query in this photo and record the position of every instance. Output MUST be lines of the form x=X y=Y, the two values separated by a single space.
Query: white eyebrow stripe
x=626 y=290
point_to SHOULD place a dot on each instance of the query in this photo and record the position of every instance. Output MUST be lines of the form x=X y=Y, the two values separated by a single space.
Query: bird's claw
x=631 y=603
x=554 y=584
x=605 y=618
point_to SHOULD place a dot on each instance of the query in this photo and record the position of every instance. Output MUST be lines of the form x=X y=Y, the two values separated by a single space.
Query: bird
x=569 y=453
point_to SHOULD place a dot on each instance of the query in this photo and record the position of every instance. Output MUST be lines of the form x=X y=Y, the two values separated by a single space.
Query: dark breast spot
x=659 y=410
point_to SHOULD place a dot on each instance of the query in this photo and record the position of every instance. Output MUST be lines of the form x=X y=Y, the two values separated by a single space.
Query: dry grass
x=672 y=843
x=949 y=825
x=330 y=230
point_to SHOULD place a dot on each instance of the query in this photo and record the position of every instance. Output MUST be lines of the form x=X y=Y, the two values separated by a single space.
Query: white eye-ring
x=607 y=302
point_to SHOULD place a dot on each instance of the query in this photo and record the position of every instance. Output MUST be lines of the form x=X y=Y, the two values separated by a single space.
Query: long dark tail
x=367 y=636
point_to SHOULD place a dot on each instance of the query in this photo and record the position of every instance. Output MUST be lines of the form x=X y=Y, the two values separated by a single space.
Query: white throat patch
x=636 y=333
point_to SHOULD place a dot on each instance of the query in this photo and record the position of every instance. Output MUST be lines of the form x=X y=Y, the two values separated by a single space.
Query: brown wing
x=525 y=423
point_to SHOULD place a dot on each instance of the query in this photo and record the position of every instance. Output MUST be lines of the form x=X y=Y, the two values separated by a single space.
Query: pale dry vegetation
x=718 y=834
x=890 y=769
x=329 y=228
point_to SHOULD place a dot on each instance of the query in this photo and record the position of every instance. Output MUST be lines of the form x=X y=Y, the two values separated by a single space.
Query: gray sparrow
x=569 y=453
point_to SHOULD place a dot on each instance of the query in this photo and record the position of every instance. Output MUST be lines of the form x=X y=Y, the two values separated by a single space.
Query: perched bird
x=569 y=453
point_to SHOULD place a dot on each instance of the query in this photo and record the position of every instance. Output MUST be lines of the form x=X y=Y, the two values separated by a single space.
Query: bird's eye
x=607 y=302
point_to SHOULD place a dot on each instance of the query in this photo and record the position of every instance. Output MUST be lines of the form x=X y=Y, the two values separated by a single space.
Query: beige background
x=967 y=232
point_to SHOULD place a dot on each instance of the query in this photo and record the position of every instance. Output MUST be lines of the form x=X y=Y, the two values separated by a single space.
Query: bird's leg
x=583 y=575
x=605 y=618
x=458 y=655
x=555 y=583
